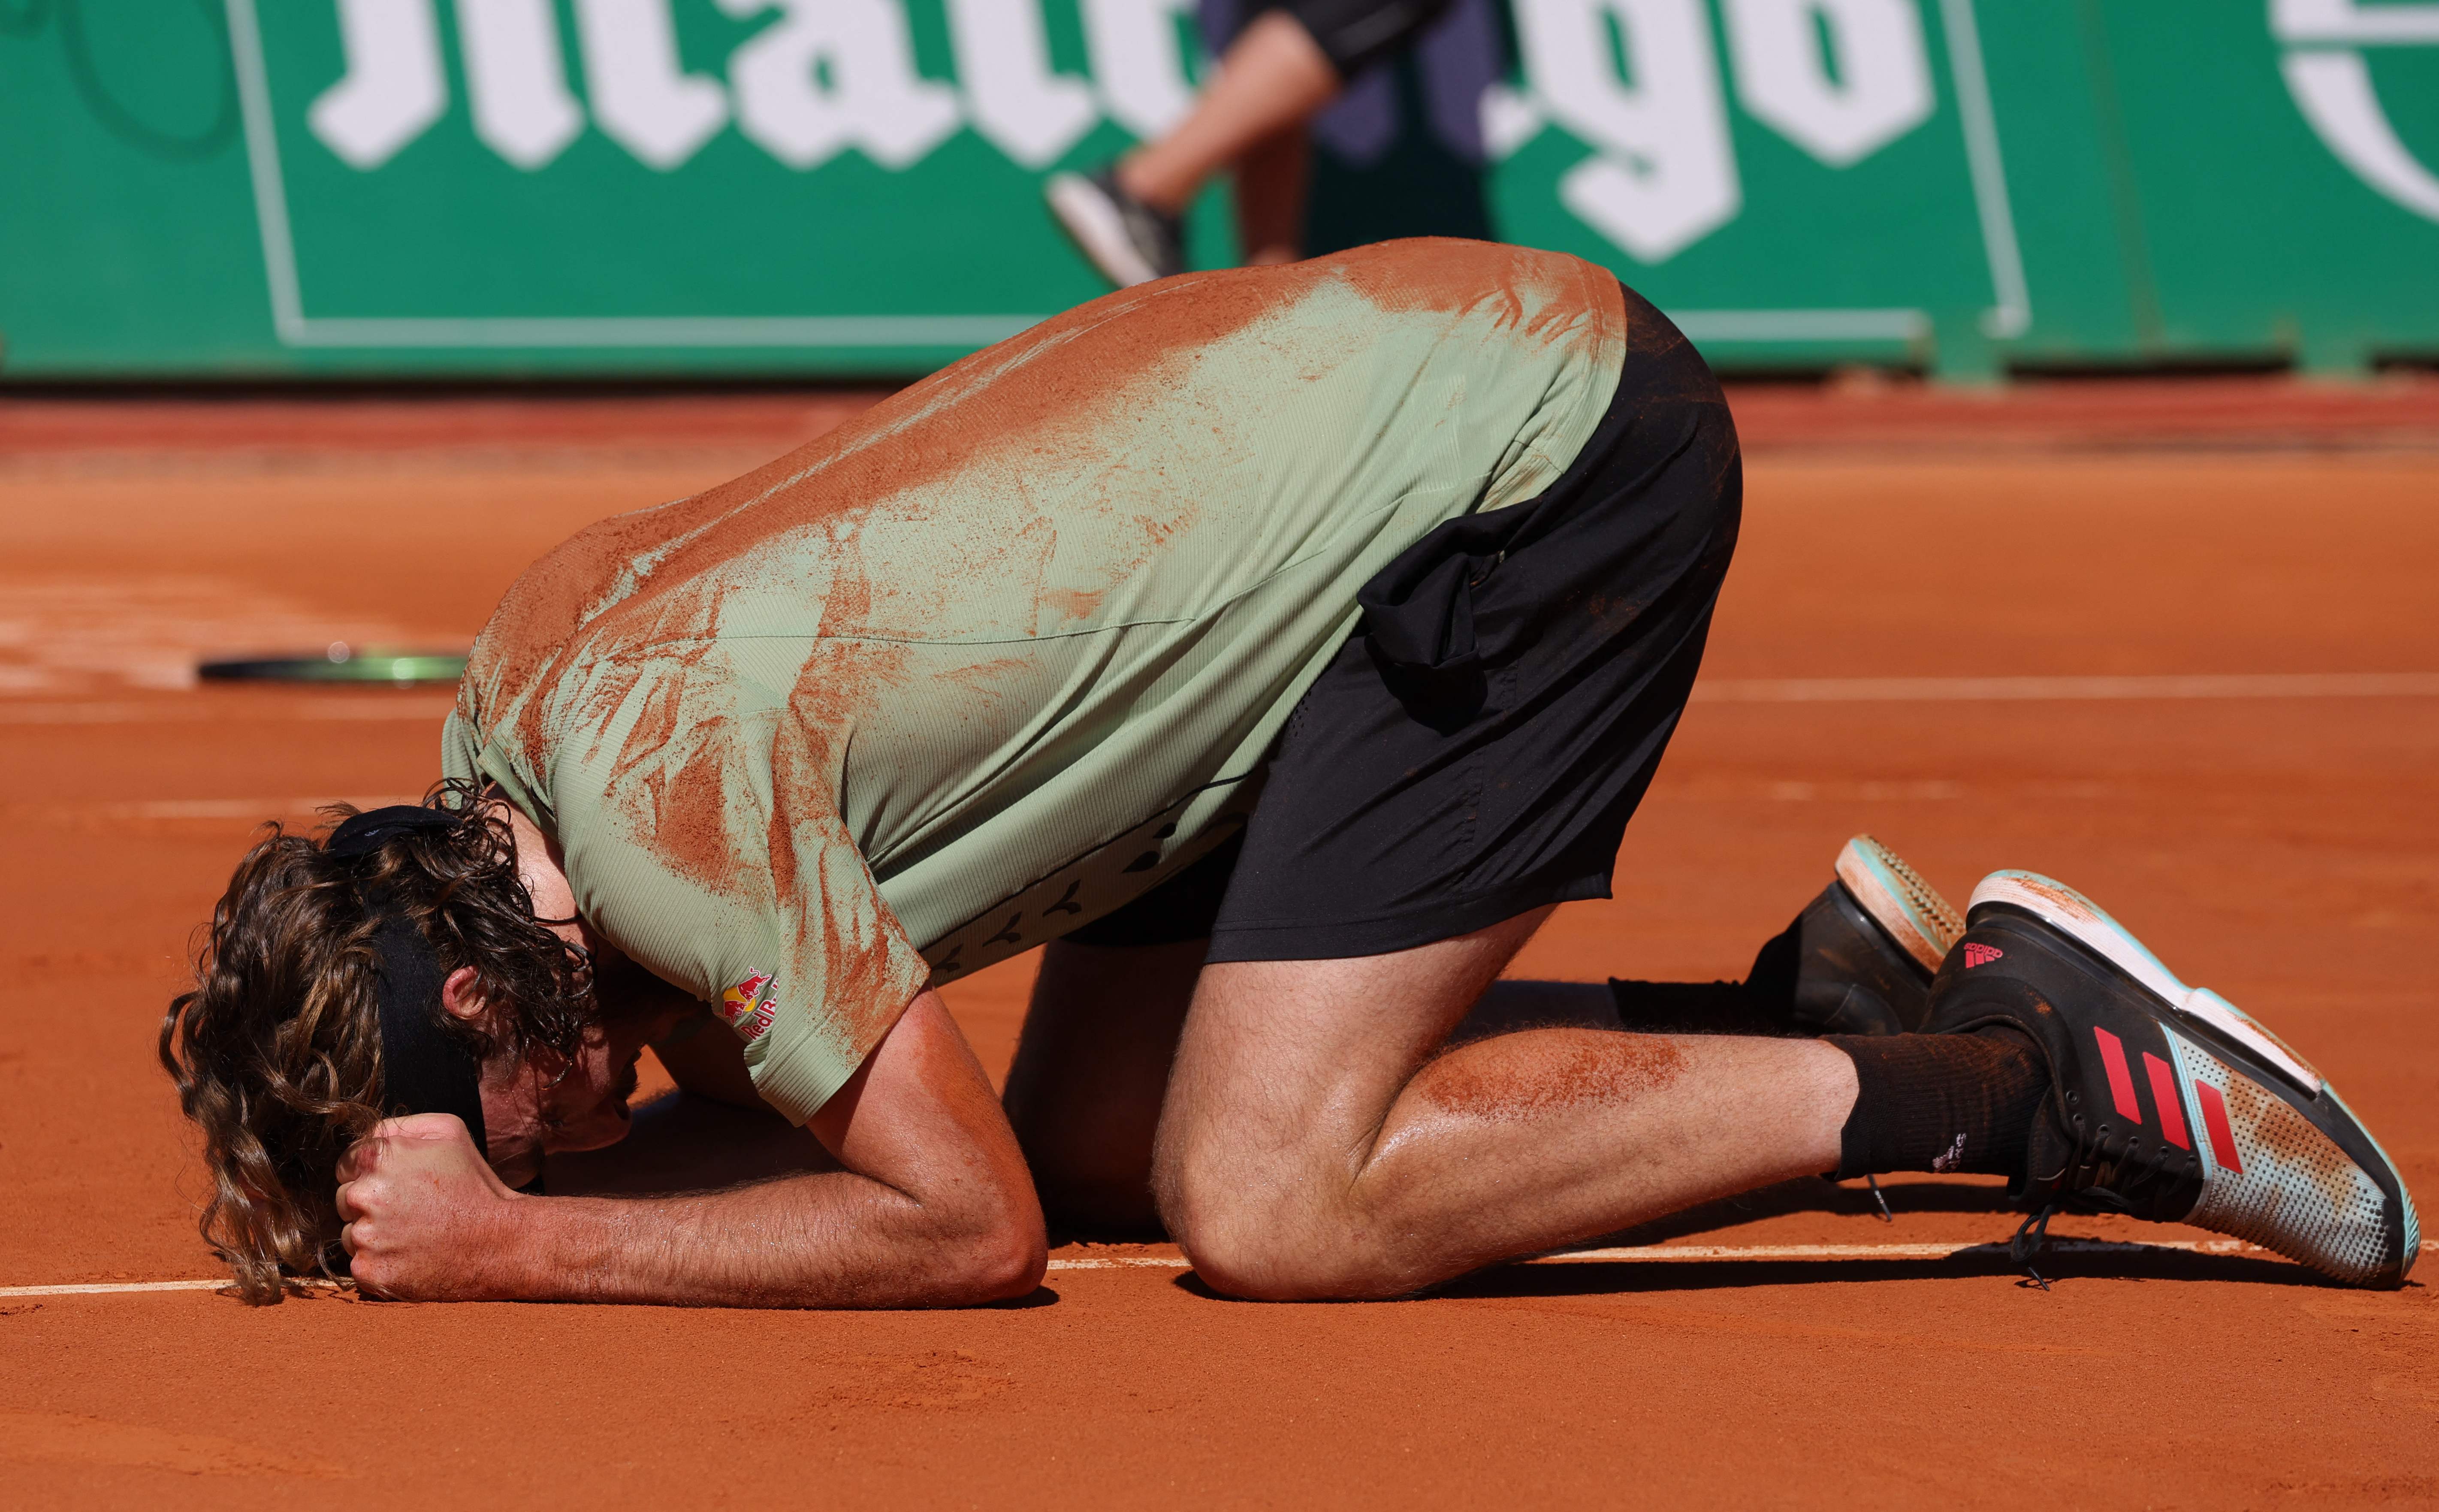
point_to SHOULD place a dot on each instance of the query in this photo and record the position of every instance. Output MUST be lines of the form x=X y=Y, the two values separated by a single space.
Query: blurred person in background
x=1295 y=59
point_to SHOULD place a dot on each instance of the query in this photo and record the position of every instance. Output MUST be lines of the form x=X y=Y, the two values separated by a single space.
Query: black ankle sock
x=1940 y=1102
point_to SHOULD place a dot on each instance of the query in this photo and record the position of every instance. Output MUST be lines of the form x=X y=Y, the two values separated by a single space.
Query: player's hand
x=426 y=1219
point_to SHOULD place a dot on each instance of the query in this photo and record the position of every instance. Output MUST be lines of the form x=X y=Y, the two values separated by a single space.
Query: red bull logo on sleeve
x=748 y=1007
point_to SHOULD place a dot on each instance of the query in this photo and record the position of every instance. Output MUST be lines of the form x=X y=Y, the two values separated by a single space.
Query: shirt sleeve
x=689 y=851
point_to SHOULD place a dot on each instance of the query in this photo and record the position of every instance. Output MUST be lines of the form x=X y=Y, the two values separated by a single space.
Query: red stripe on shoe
x=2163 y=1093
x=2121 y=1076
x=2222 y=1138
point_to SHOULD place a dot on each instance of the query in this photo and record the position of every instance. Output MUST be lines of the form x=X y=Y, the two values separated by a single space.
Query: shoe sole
x=1097 y=229
x=1909 y=909
x=2274 y=1176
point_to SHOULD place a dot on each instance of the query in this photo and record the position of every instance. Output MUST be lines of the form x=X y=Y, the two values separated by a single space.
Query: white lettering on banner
x=2334 y=90
x=1663 y=174
x=831 y=74
x=522 y=110
x=1840 y=78
x=2347 y=23
x=1017 y=102
x=1645 y=157
x=393 y=89
x=826 y=75
x=1139 y=61
x=641 y=95
x=2332 y=86
x=1635 y=81
x=1509 y=119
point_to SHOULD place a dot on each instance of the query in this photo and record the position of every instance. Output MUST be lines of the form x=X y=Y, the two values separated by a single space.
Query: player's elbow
x=1012 y=1268
x=997 y=1261
x=986 y=1243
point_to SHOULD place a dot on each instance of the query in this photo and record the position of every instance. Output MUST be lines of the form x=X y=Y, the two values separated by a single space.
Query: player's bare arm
x=930 y=1207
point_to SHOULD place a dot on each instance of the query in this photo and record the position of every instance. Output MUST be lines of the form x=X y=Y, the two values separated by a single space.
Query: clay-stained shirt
x=999 y=655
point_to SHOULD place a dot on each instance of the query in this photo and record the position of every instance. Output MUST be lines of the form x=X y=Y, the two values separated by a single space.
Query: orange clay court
x=2175 y=643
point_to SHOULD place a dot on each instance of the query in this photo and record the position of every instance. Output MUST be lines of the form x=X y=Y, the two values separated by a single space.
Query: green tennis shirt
x=1000 y=654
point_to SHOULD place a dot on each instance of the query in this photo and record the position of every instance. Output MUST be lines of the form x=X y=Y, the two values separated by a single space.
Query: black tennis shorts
x=1475 y=749
x=1355 y=34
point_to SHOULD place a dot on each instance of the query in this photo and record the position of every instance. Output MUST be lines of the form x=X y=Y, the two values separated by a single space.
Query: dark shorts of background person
x=1355 y=34
x=1475 y=749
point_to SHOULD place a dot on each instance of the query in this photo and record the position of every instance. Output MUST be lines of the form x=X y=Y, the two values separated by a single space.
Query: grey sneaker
x=2169 y=1101
x=1129 y=240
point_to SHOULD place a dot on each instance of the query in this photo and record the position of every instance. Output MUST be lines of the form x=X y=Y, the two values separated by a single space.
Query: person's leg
x=1317 y=1142
x=1091 y=1069
x=1274 y=76
x=1127 y=218
x=1093 y=1066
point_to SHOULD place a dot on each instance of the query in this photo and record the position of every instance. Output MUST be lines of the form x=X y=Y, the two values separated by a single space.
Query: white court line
x=100 y=1288
x=172 y=711
x=1638 y=1254
x=2010 y=689
x=1680 y=1254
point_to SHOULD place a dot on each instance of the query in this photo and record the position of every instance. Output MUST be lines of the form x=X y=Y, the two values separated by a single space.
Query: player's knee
x=1217 y=1217
x=1261 y=1235
x=1313 y=1262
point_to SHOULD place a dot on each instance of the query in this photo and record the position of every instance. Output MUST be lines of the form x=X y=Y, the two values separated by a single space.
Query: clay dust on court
x=2176 y=645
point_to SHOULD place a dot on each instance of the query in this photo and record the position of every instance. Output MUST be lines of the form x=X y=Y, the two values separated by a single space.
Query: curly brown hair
x=276 y=1048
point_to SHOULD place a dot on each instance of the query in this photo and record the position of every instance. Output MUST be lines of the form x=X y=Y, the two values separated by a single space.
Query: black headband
x=424 y=1068
x=364 y=833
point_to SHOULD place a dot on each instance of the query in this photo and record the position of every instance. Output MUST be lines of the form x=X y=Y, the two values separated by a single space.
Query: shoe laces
x=2031 y=1237
x=2130 y=1182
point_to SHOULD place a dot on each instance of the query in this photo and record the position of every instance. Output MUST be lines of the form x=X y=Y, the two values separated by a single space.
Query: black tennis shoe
x=2166 y=1101
x=1129 y=240
x=1861 y=955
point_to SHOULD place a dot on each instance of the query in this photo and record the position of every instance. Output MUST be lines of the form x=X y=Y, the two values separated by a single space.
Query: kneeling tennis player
x=1279 y=647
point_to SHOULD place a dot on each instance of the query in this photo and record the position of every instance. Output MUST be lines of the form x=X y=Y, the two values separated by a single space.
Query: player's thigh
x=1090 y=1070
x=1285 y=1071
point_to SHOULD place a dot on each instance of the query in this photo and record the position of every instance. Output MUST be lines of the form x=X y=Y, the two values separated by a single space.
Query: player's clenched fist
x=424 y=1215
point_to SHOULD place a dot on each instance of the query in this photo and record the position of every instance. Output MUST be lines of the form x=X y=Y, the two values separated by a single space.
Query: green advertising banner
x=2306 y=226
x=1780 y=175
x=229 y=187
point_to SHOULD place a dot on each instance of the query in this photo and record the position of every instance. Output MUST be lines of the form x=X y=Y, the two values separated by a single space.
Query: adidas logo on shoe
x=1978 y=955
